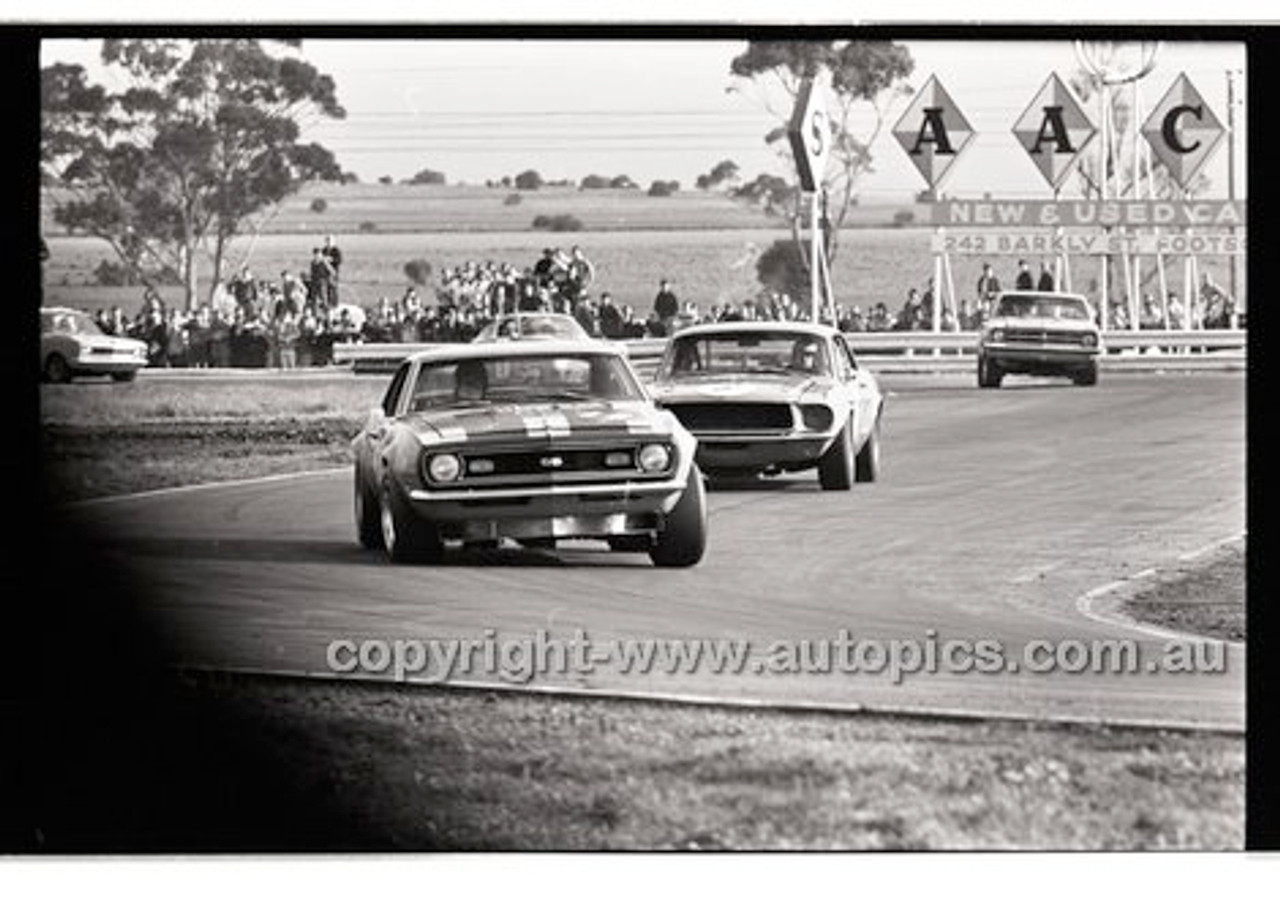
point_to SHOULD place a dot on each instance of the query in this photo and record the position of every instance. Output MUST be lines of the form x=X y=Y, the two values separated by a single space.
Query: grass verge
x=1206 y=597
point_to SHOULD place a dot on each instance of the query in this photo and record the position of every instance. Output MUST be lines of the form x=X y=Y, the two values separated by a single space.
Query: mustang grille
x=1028 y=335
x=745 y=417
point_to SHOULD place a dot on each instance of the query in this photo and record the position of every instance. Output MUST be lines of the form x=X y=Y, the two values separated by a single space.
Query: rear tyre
x=835 y=469
x=368 y=515
x=1088 y=376
x=867 y=465
x=989 y=374
x=123 y=377
x=406 y=538
x=56 y=369
x=684 y=540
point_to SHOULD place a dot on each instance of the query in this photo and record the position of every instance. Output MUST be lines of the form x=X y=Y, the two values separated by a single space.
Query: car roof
x=505 y=349
x=758 y=327
x=61 y=310
x=1042 y=294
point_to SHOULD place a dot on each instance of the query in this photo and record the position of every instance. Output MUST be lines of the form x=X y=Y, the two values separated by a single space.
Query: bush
x=594 y=181
x=781 y=269
x=558 y=223
x=428 y=178
x=368 y=226
x=903 y=217
x=529 y=180
x=513 y=199
x=114 y=274
x=664 y=188
x=319 y=205
x=418 y=271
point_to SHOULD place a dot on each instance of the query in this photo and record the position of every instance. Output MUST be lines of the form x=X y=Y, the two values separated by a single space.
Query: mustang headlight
x=1088 y=339
x=444 y=468
x=816 y=416
x=654 y=458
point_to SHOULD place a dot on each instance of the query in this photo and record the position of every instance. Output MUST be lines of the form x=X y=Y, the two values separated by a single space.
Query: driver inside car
x=471 y=381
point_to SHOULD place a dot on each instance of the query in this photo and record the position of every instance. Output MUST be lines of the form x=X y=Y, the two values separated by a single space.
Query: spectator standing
x=321 y=282
x=292 y=294
x=1024 y=281
x=1046 y=283
x=665 y=305
x=333 y=255
x=285 y=335
x=580 y=272
x=610 y=317
x=988 y=284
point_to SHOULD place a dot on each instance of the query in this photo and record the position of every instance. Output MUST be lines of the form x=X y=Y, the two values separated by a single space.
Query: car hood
x=761 y=388
x=543 y=421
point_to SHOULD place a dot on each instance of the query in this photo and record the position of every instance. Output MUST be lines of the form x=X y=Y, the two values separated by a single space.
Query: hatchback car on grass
x=72 y=344
x=1033 y=333
x=532 y=442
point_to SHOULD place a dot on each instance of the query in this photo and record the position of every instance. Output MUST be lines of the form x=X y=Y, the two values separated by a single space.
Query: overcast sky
x=479 y=110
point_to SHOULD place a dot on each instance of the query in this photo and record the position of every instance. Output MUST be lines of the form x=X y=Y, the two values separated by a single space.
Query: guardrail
x=914 y=351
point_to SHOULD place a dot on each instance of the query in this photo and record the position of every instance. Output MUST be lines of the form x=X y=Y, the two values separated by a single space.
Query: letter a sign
x=1054 y=130
x=933 y=132
x=1183 y=131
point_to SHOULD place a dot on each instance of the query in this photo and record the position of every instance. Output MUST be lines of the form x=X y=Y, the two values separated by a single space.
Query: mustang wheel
x=56 y=370
x=683 y=541
x=1087 y=376
x=406 y=537
x=835 y=469
x=989 y=374
x=368 y=514
x=867 y=466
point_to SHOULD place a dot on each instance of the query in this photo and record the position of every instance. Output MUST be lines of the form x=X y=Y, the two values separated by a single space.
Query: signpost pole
x=815 y=250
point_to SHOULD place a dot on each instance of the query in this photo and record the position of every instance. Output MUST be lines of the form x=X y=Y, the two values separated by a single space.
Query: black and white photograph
x=536 y=438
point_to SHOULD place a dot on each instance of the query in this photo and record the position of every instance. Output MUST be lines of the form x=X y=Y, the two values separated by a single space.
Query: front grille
x=744 y=417
x=1028 y=335
x=524 y=463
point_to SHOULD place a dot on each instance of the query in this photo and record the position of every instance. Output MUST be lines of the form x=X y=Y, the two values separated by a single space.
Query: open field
x=706 y=244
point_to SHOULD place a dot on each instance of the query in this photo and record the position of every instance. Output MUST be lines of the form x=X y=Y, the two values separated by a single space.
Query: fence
x=917 y=351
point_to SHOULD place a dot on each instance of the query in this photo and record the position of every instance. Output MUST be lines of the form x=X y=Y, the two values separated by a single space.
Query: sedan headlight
x=816 y=416
x=654 y=458
x=1088 y=339
x=444 y=468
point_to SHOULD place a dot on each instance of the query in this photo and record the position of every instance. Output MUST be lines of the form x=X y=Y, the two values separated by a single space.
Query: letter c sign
x=1169 y=127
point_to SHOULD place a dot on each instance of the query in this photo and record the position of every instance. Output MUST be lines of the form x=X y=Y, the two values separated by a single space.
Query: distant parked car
x=532 y=326
x=1033 y=333
x=534 y=442
x=72 y=344
x=774 y=397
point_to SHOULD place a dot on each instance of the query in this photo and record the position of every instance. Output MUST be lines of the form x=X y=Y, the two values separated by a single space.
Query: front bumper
x=106 y=363
x=599 y=510
x=1018 y=358
x=729 y=451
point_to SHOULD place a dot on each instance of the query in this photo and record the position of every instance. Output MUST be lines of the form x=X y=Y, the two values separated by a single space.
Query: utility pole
x=1231 y=173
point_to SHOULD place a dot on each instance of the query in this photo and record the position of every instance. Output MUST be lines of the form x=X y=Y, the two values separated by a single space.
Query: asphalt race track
x=996 y=511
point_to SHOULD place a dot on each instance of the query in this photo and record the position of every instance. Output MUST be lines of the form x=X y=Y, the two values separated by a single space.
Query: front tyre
x=407 y=538
x=1088 y=376
x=368 y=514
x=867 y=465
x=989 y=374
x=684 y=540
x=835 y=469
x=56 y=369
x=123 y=377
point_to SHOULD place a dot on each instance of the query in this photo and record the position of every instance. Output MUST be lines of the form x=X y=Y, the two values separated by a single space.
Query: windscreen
x=755 y=352
x=516 y=379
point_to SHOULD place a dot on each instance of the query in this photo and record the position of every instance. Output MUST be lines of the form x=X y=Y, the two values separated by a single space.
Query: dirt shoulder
x=1204 y=597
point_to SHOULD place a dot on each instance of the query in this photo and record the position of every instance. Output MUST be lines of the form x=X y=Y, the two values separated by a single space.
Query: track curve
x=995 y=512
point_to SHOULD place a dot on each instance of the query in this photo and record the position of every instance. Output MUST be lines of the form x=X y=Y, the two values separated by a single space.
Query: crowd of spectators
x=296 y=320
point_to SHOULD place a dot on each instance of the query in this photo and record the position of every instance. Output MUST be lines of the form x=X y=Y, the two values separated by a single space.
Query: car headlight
x=654 y=458
x=444 y=468
x=1088 y=339
x=996 y=336
x=816 y=416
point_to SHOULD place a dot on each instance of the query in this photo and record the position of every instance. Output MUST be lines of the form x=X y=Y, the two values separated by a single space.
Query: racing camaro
x=769 y=397
x=72 y=344
x=535 y=443
x=1036 y=333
